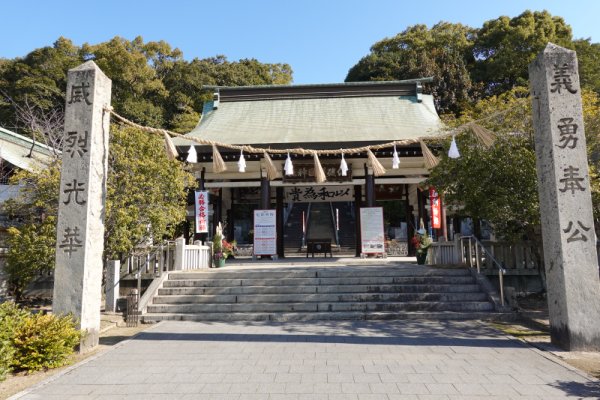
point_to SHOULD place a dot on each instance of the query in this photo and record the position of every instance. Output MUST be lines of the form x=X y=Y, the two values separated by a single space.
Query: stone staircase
x=348 y=292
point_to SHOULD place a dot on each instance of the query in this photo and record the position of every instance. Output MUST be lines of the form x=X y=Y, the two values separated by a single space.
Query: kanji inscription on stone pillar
x=569 y=238
x=80 y=227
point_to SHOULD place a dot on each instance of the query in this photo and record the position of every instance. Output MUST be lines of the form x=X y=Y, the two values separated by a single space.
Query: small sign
x=371 y=230
x=434 y=200
x=265 y=232
x=312 y=194
x=201 y=211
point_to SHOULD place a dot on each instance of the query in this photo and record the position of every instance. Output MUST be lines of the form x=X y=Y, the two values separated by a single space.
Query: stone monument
x=569 y=238
x=80 y=226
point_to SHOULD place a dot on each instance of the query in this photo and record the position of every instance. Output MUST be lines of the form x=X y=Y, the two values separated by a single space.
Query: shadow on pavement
x=425 y=340
x=587 y=389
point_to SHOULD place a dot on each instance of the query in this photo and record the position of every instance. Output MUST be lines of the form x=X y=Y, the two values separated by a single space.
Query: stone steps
x=365 y=280
x=304 y=293
x=320 y=316
x=316 y=307
x=309 y=289
x=318 y=297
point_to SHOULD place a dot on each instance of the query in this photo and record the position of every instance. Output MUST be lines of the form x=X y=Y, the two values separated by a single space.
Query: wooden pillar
x=230 y=217
x=279 y=222
x=357 y=205
x=265 y=193
x=369 y=188
x=217 y=209
x=410 y=230
x=420 y=208
x=444 y=232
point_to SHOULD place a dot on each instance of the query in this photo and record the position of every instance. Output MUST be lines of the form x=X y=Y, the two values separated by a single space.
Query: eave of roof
x=16 y=149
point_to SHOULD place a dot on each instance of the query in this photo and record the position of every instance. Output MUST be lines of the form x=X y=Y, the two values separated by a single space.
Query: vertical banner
x=371 y=230
x=436 y=212
x=265 y=232
x=201 y=211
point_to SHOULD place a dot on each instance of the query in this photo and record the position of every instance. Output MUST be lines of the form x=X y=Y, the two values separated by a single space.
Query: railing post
x=113 y=276
x=470 y=253
x=179 y=254
x=477 y=262
x=501 y=283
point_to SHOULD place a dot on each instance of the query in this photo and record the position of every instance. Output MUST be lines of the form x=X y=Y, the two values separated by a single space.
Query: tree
x=31 y=244
x=500 y=184
x=40 y=78
x=443 y=52
x=151 y=82
x=588 y=57
x=504 y=47
x=146 y=200
x=147 y=193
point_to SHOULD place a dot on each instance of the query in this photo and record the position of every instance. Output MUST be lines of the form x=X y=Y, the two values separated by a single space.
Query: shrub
x=10 y=317
x=31 y=342
x=44 y=341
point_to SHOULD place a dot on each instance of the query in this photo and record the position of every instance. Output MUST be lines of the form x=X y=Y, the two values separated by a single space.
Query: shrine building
x=315 y=117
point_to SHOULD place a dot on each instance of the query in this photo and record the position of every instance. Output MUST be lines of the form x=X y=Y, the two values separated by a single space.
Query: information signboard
x=265 y=232
x=371 y=230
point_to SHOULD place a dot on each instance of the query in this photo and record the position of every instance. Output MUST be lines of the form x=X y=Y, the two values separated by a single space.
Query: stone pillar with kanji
x=569 y=238
x=80 y=226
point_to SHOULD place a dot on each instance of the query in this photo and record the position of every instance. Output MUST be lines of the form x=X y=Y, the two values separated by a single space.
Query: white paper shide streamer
x=192 y=156
x=343 y=166
x=453 y=151
x=288 y=167
x=242 y=162
x=395 y=159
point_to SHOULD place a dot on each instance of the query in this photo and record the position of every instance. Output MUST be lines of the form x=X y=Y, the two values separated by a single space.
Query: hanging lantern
x=242 y=162
x=395 y=159
x=343 y=166
x=192 y=156
x=288 y=166
x=453 y=151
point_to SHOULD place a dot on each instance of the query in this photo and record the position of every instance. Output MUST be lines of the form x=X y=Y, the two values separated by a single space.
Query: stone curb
x=547 y=354
x=77 y=365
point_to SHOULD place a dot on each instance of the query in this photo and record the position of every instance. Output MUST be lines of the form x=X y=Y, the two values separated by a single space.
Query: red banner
x=436 y=212
x=201 y=208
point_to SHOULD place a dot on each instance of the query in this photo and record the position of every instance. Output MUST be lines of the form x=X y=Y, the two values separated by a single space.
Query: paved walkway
x=332 y=360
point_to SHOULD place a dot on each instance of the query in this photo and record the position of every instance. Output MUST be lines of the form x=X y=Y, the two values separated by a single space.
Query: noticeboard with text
x=371 y=230
x=265 y=232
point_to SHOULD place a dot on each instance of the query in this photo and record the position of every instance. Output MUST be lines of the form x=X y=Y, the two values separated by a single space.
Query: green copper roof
x=16 y=149
x=319 y=113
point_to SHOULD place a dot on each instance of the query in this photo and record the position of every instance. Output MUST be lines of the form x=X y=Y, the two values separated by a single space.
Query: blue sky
x=320 y=39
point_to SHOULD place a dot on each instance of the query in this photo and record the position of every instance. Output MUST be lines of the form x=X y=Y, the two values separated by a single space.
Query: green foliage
x=10 y=317
x=31 y=251
x=43 y=341
x=468 y=64
x=499 y=184
x=442 y=52
x=151 y=82
x=588 y=57
x=146 y=199
x=147 y=193
x=30 y=342
x=505 y=47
